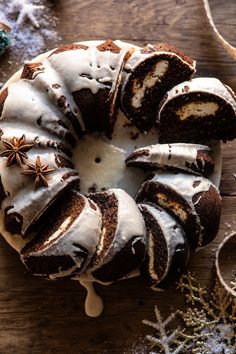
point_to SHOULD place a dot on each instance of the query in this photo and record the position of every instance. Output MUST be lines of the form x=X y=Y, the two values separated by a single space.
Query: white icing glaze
x=200 y=84
x=127 y=210
x=35 y=135
x=148 y=82
x=32 y=105
x=182 y=183
x=125 y=231
x=101 y=66
x=107 y=171
x=15 y=77
x=172 y=233
x=26 y=201
x=198 y=109
x=215 y=177
x=83 y=231
x=174 y=155
x=111 y=171
x=137 y=57
x=186 y=186
x=46 y=80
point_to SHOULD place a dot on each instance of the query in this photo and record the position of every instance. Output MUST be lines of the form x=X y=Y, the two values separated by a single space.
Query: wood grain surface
x=37 y=316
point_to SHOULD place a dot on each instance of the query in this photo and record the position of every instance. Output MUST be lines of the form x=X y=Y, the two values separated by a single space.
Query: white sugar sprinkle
x=33 y=26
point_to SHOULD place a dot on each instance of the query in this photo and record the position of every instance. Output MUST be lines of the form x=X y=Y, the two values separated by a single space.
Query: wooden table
x=43 y=317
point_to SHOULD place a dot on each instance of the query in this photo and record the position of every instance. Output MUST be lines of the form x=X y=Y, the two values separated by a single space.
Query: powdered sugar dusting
x=33 y=24
x=138 y=347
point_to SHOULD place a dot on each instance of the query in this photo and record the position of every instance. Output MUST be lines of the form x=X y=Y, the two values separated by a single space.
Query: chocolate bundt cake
x=193 y=158
x=200 y=109
x=193 y=200
x=167 y=247
x=48 y=107
x=121 y=248
x=67 y=240
x=148 y=74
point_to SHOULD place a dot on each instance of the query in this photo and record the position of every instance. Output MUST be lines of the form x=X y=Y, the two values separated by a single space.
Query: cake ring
x=71 y=163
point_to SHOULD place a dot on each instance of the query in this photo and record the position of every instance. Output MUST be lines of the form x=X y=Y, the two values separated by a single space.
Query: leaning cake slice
x=68 y=239
x=198 y=110
x=148 y=74
x=121 y=247
x=193 y=200
x=167 y=247
x=193 y=158
x=92 y=73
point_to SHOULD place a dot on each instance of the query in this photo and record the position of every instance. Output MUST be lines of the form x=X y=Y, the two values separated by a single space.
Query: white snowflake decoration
x=26 y=11
x=165 y=340
x=209 y=322
x=33 y=24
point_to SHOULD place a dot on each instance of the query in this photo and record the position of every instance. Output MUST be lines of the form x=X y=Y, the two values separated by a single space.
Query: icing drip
x=93 y=303
x=94 y=69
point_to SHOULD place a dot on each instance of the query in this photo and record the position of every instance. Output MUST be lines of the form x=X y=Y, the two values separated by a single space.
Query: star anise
x=38 y=171
x=15 y=151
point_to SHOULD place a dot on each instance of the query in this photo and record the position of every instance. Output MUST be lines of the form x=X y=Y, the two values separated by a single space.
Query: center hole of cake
x=101 y=161
x=97 y=159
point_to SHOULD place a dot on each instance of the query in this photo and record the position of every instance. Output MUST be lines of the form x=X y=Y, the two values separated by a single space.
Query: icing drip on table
x=93 y=303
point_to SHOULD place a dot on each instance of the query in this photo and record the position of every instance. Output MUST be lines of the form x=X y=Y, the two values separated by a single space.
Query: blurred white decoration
x=26 y=11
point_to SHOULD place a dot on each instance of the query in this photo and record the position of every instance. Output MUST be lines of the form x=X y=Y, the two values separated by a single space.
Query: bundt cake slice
x=121 y=247
x=148 y=74
x=197 y=110
x=24 y=107
x=92 y=73
x=31 y=181
x=193 y=200
x=180 y=156
x=43 y=77
x=67 y=240
x=167 y=247
x=35 y=151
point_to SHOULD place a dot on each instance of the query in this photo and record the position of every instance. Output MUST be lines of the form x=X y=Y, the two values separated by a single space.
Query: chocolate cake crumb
x=128 y=124
x=93 y=188
x=108 y=204
x=13 y=221
x=31 y=70
x=3 y=96
x=61 y=161
x=109 y=45
x=134 y=136
x=65 y=48
x=68 y=175
x=56 y=86
x=62 y=102
x=196 y=183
